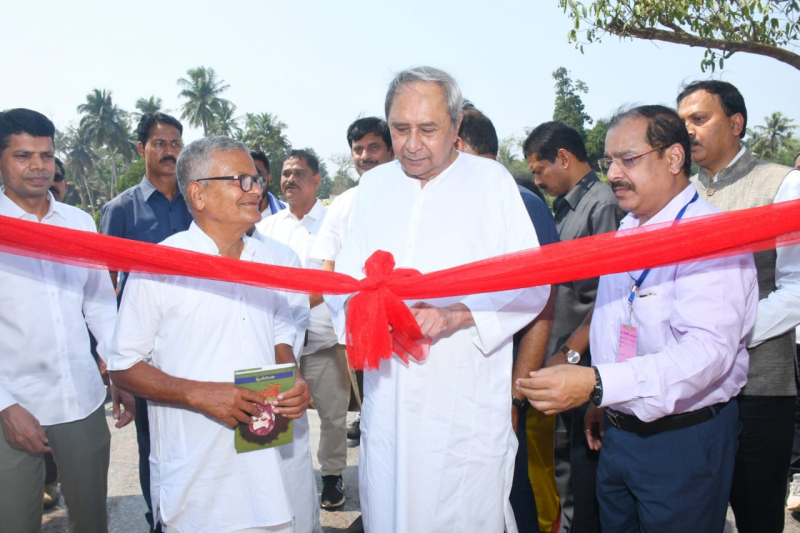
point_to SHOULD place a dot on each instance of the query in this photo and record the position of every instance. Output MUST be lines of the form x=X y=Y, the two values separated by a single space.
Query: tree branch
x=617 y=27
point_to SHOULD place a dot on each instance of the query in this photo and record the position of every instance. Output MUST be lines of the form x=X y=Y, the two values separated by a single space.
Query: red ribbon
x=379 y=305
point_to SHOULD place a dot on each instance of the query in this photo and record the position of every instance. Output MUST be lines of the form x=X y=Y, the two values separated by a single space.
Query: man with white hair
x=437 y=445
x=178 y=343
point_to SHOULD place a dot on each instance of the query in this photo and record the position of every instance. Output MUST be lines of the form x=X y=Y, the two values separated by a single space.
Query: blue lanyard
x=644 y=274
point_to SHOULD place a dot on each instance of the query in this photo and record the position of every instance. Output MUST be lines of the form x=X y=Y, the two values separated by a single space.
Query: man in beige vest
x=731 y=178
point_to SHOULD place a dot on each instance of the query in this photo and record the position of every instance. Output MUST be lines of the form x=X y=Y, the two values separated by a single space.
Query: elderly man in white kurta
x=178 y=343
x=437 y=448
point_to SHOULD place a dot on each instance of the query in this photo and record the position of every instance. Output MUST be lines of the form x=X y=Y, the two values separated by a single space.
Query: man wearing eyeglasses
x=59 y=187
x=584 y=206
x=150 y=211
x=178 y=343
x=732 y=178
x=669 y=346
x=322 y=364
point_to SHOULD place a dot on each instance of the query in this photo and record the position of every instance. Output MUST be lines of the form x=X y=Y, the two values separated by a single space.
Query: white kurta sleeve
x=498 y=316
x=780 y=311
x=6 y=399
x=284 y=329
x=137 y=323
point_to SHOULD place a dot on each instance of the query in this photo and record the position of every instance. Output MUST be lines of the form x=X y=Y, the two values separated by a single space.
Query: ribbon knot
x=378 y=322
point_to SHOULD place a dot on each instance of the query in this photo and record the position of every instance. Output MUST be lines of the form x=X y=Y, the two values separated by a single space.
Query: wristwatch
x=573 y=357
x=521 y=405
x=596 y=396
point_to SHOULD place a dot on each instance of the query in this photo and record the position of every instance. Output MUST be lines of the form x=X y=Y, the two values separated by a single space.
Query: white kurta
x=297 y=463
x=205 y=330
x=437 y=448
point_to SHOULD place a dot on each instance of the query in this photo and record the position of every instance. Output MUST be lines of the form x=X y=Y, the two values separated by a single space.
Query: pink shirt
x=693 y=324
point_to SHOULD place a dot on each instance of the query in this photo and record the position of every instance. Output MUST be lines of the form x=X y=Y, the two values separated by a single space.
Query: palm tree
x=264 y=132
x=147 y=105
x=774 y=135
x=224 y=122
x=202 y=92
x=79 y=160
x=107 y=126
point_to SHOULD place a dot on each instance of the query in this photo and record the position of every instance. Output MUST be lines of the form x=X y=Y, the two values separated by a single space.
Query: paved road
x=126 y=506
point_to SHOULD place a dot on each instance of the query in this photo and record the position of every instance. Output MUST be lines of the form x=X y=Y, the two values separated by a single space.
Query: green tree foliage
x=133 y=176
x=765 y=27
x=265 y=132
x=596 y=142
x=107 y=126
x=224 y=122
x=79 y=158
x=569 y=107
x=147 y=105
x=343 y=178
x=202 y=91
x=774 y=140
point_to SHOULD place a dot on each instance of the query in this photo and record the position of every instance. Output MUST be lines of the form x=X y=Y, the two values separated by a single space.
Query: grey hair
x=194 y=162
x=452 y=92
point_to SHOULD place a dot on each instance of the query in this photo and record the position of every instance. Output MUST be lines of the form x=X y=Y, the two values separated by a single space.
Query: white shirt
x=428 y=427
x=334 y=227
x=46 y=365
x=296 y=456
x=693 y=321
x=780 y=311
x=205 y=330
x=299 y=235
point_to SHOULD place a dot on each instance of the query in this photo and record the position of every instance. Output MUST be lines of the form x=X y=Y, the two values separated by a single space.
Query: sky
x=319 y=65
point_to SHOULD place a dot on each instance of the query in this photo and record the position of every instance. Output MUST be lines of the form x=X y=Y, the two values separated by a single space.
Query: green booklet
x=269 y=429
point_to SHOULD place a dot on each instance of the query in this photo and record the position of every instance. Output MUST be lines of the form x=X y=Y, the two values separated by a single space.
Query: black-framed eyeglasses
x=246 y=181
x=59 y=178
x=627 y=161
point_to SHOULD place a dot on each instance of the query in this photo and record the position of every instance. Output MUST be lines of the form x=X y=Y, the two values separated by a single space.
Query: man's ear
x=676 y=158
x=317 y=180
x=140 y=147
x=563 y=158
x=196 y=195
x=737 y=123
x=459 y=144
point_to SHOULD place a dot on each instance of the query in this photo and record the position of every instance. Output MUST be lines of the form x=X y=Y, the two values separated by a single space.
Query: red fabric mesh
x=378 y=305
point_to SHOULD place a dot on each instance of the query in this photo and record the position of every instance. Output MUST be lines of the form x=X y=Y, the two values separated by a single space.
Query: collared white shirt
x=334 y=228
x=693 y=321
x=300 y=235
x=205 y=330
x=46 y=365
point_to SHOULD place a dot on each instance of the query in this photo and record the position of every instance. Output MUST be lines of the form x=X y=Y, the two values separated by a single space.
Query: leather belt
x=633 y=424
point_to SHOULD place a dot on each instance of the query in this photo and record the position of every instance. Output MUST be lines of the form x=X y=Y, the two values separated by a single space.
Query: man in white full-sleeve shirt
x=178 y=343
x=669 y=347
x=51 y=392
x=437 y=445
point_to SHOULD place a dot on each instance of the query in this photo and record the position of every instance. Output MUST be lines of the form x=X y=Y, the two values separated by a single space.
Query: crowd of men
x=644 y=400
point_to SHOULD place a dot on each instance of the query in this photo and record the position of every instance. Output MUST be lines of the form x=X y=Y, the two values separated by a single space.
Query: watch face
x=573 y=357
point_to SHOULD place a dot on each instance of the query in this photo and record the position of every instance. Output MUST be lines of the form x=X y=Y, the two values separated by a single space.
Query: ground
x=126 y=506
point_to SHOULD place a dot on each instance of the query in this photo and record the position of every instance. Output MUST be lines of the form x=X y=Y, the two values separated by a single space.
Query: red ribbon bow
x=369 y=340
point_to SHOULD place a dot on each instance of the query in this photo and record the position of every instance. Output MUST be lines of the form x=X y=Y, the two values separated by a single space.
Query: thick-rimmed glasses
x=626 y=161
x=246 y=181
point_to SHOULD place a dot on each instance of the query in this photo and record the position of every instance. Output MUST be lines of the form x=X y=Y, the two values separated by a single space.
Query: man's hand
x=557 y=389
x=226 y=402
x=294 y=402
x=441 y=321
x=125 y=399
x=556 y=359
x=514 y=417
x=22 y=431
x=593 y=421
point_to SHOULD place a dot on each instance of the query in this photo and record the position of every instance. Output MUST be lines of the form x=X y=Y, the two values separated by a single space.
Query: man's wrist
x=596 y=396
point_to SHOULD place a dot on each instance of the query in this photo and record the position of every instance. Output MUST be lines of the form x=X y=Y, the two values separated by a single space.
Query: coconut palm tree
x=79 y=158
x=202 y=91
x=774 y=135
x=224 y=123
x=107 y=126
x=264 y=131
x=147 y=105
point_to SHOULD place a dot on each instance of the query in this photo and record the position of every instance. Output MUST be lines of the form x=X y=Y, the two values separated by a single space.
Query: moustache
x=167 y=158
x=368 y=163
x=624 y=185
